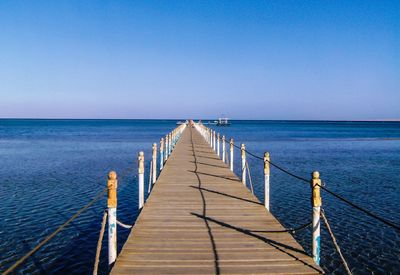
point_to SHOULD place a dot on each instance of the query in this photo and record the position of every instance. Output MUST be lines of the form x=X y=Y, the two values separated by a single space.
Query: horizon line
x=208 y=119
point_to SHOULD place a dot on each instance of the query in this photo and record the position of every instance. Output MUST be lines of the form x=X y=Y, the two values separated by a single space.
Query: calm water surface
x=51 y=168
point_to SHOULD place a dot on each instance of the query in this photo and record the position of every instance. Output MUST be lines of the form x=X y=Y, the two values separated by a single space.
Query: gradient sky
x=177 y=59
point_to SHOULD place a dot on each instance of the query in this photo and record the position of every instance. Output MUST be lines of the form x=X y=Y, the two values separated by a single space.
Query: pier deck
x=200 y=219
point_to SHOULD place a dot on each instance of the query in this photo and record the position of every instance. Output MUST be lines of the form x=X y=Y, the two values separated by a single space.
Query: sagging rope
x=60 y=228
x=273 y=164
x=124 y=225
x=291 y=230
x=52 y=235
x=99 y=243
x=389 y=223
x=346 y=266
x=251 y=182
x=369 y=213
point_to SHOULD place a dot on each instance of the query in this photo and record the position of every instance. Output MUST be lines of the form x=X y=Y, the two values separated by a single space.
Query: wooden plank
x=200 y=219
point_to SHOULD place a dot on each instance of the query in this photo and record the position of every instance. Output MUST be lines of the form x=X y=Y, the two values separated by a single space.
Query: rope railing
x=322 y=186
x=54 y=233
x=250 y=180
x=316 y=185
x=99 y=243
x=333 y=239
x=124 y=225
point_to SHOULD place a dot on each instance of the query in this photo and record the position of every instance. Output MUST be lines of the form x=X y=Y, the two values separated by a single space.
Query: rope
x=251 y=182
x=389 y=223
x=49 y=237
x=335 y=243
x=124 y=225
x=99 y=243
x=292 y=230
x=150 y=176
x=275 y=165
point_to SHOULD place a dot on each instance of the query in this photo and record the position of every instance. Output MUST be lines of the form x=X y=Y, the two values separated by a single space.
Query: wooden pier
x=200 y=219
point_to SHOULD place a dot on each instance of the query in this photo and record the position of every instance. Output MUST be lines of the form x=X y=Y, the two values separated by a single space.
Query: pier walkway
x=200 y=219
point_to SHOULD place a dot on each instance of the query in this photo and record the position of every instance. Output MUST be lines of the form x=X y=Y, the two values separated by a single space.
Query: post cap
x=243 y=147
x=266 y=155
x=112 y=175
x=141 y=154
x=315 y=175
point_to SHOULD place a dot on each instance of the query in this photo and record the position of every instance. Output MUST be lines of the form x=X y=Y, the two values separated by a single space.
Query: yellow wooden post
x=141 y=178
x=316 y=202
x=112 y=217
x=243 y=150
x=266 y=179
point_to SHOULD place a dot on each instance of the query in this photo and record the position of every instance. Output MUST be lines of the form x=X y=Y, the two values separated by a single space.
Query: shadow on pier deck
x=200 y=219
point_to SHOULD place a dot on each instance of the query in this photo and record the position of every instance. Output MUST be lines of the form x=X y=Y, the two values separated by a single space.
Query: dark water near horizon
x=51 y=168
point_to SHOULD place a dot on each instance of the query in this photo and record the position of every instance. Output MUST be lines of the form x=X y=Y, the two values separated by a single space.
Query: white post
x=266 y=179
x=214 y=140
x=170 y=144
x=316 y=218
x=211 y=138
x=141 y=179
x=161 y=154
x=218 y=144
x=243 y=149
x=223 y=148
x=112 y=217
x=154 y=162
x=166 y=147
x=231 y=155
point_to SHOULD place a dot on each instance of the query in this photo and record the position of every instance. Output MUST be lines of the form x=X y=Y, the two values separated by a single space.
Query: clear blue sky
x=172 y=59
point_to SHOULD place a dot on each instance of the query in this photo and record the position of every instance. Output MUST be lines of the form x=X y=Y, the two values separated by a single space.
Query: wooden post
x=316 y=216
x=214 y=140
x=166 y=147
x=112 y=217
x=243 y=150
x=154 y=162
x=266 y=180
x=218 y=144
x=211 y=138
x=161 y=154
x=223 y=148
x=141 y=179
x=231 y=154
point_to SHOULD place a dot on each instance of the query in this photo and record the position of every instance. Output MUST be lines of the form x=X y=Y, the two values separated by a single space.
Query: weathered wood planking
x=200 y=219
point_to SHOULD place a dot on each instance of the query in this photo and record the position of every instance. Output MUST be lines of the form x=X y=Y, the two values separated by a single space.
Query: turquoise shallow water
x=50 y=168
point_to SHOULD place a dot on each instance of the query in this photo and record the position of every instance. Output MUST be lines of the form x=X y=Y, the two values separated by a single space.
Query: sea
x=49 y=169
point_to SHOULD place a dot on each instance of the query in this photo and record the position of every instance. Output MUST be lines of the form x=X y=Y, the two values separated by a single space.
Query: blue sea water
x=51 y=168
